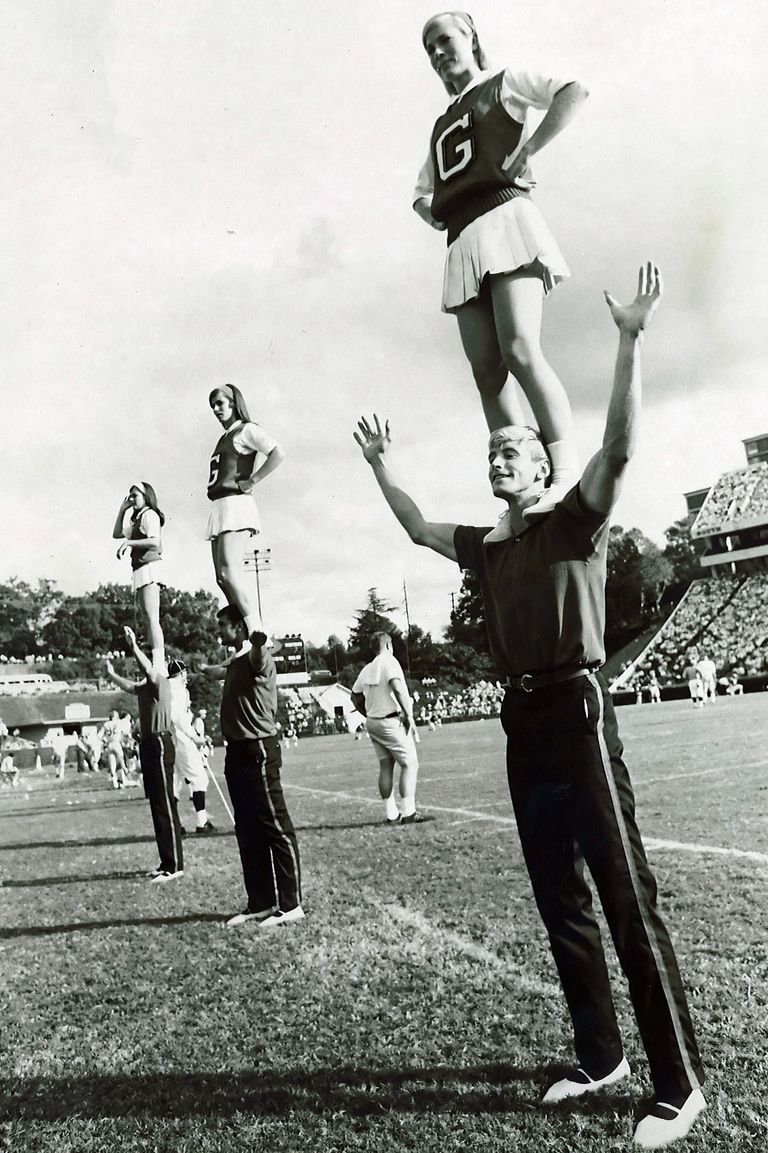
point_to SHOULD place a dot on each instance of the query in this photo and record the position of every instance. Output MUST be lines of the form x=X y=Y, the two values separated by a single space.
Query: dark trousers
x=574 y=804
x=157 y=755
x=269 y=852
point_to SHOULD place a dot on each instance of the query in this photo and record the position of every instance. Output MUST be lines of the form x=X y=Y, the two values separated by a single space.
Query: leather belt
x=388 y=717
x=529 y=682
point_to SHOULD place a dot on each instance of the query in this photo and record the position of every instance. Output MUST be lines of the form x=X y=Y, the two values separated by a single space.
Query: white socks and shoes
x=581 y=1082
x=665 y=1123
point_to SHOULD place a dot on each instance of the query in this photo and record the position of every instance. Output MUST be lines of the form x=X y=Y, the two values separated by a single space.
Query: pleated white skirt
x=509 y=237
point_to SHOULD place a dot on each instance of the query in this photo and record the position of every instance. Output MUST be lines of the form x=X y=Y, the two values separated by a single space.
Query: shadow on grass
x=336 y=828
x=86 y=926
x=355 y=1091
x=79 y=807
x=95 y=842
x=78 y=843
x=74 y=879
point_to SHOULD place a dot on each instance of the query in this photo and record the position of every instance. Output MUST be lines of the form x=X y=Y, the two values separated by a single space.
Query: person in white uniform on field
x=189 y=766
x=381 y=695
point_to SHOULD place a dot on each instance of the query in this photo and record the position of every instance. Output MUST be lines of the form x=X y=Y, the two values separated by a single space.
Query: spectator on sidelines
x=204 y=742
x=189 y=767
x=695 y=686
x=8 y=770
x=654 y=688
x=707 y=670
x=381 y=695
x=111 y=735
x=543 y=588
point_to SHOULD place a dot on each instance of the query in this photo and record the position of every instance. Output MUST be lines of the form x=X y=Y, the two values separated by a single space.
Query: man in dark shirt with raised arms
x=269 y=852
x=544 y=595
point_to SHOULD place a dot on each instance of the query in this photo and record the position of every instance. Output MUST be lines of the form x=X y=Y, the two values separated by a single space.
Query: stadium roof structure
x=52 y=709
x=737 y=500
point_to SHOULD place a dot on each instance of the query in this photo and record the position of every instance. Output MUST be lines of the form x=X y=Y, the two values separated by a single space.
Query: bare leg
x=517 y=304
x=498 y=394
x=149 y=602
x=238 y=586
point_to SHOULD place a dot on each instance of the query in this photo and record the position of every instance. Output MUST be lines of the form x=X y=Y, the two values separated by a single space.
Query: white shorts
x=505 y=239
x=189 y=763
x=236 y=513
x=148 y=574
x=392 y=741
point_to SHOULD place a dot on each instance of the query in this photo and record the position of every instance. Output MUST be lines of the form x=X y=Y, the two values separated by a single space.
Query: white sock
x=407 y=806
x=390 y=806
x=202 y=818
x=565 y=462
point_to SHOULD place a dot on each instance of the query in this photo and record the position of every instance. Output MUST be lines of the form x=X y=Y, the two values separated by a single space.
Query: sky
x=202 y=191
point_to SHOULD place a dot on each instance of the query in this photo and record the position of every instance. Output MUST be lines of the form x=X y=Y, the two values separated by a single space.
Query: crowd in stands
x=480 y=700
x=725 y=618
x=737 y=496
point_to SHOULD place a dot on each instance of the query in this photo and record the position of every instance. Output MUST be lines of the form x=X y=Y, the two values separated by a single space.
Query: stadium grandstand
x=723 y=614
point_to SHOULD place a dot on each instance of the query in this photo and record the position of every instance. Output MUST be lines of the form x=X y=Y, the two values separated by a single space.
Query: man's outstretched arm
x=375 y=444
x=601 y=483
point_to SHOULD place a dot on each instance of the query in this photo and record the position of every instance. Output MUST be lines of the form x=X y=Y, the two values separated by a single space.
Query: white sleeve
x=151 y=522
x=253 y=438
x=425 y=184
x=523 y=90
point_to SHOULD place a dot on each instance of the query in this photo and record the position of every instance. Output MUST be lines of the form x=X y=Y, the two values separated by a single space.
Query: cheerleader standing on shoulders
x=139 y=522
x=502 y=259
x=234 y=517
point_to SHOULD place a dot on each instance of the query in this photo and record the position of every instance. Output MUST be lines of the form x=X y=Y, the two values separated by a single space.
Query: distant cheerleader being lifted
x=234 y=517
x=502 y=259
x=137 y=525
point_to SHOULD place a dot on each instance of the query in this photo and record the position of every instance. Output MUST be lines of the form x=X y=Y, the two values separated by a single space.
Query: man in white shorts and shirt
x=189 y=764
x=707 y=670
x=381 y=695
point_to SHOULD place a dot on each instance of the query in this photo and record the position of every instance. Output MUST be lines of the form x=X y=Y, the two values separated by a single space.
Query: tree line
x=644 y=583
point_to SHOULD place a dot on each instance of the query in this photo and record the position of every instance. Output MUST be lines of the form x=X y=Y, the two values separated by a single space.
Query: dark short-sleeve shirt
x=544 y=591
x=154 y=701
x=249 y=699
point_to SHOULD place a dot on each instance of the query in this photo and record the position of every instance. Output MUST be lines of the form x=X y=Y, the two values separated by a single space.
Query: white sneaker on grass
x=579 y=1082
x=246 y=916
x=165 y=875
x=666 y=1123
x=281 y=918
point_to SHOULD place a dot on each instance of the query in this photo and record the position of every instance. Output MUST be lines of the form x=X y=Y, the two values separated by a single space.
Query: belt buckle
x=526 y=677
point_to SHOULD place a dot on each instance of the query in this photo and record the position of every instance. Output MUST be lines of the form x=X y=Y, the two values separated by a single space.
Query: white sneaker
x=667 y=1124
x=581 y=1083
x=546 y=502
x=247 y=915
x=165 y=875
x=281 y=918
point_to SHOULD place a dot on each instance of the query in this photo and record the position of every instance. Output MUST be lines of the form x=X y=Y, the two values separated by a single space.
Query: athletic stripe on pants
x=269 y=851
x=156 y=756
x=574 y=804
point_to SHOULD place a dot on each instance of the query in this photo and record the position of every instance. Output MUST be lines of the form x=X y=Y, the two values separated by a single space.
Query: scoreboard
x=291 y=661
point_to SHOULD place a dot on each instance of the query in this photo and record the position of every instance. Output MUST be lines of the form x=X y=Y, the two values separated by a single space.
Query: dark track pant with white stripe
x=269 y=852
x=156 y=756
x=574 y=803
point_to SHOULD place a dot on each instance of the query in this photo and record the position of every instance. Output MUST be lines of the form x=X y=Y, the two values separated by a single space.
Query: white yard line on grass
x=447 y=939
x=715 y=850
x=498 y=819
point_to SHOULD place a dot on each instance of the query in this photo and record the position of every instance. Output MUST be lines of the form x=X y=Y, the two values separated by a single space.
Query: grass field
x=416 y=1007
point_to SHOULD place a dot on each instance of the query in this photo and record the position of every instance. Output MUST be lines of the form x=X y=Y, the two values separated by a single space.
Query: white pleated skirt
x=236 y=513
x=148 y=574
x=509 y=237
